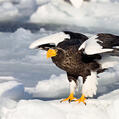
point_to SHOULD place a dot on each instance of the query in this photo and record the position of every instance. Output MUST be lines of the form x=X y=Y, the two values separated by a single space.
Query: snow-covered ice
x=99 y=15
x=105 y=106
x=31 y=86
x=95 y=108
x=29 y=75
x=15 y=10
x=10 y=88
x=17 y=60
x=43 y=85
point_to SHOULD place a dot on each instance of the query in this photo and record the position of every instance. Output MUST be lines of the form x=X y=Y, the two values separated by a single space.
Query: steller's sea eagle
x=79 y=55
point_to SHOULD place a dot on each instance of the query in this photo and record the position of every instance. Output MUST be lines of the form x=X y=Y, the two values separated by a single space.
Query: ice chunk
x=12 y=90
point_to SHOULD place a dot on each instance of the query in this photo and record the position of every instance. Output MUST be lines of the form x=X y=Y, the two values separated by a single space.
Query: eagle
x=79 y=55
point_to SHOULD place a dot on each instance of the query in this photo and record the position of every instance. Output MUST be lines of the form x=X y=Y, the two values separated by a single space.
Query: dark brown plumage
x=108 y=40
x=74 y=62
x=78 y=57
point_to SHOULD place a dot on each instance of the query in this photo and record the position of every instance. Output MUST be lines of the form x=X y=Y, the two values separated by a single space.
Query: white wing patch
x=90 y=86
x=51 y=39
x=108 y=61
x=91 y=46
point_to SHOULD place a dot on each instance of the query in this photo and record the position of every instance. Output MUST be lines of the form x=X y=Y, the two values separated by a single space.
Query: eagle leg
x=73 y=83
x=82 y=99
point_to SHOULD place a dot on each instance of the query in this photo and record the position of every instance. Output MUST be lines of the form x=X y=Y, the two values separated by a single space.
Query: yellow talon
x=70 y=98
x=82 y=99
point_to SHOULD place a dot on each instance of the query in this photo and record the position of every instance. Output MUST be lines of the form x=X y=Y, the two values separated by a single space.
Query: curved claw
x=69 y=99
x=82 y=99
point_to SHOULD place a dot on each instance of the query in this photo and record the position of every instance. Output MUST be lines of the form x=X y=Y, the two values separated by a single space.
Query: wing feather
x=53 y=39
x=95 y=45
x=62 y=39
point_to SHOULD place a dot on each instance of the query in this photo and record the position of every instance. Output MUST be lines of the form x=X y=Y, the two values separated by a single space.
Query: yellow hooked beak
x=51 y=53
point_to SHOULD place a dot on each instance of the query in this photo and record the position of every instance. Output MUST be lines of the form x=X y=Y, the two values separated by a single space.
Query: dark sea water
x=13 y=26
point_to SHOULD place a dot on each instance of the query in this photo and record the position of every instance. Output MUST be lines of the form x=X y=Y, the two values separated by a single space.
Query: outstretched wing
x=49 y=41
x=104 y=45
x=100 y=43
x=62 y=39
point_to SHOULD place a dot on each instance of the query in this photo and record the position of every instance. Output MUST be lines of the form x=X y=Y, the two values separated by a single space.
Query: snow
x=88 y=15
x=46 y=95
x=15 y=10
x=105 y=106
x=52 y=87
x=11 y=89
x=77 y=3
x=10 y=11
x=8 y=78
x=37 y=88
x=42 y=14
x=32 y=86
x=99 y=108
x=112 y=61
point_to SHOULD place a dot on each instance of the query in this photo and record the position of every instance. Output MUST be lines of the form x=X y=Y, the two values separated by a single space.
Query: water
x=13 y=26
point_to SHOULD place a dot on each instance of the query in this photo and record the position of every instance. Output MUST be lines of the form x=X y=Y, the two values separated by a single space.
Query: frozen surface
x=16 y=59
x=31 y=86
x=15 y=10
x=43 y=85
x=96 y=15
x=11 y=89
x=44 y=91
x=107 y=82
x=100 y=14
x=103 y=107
